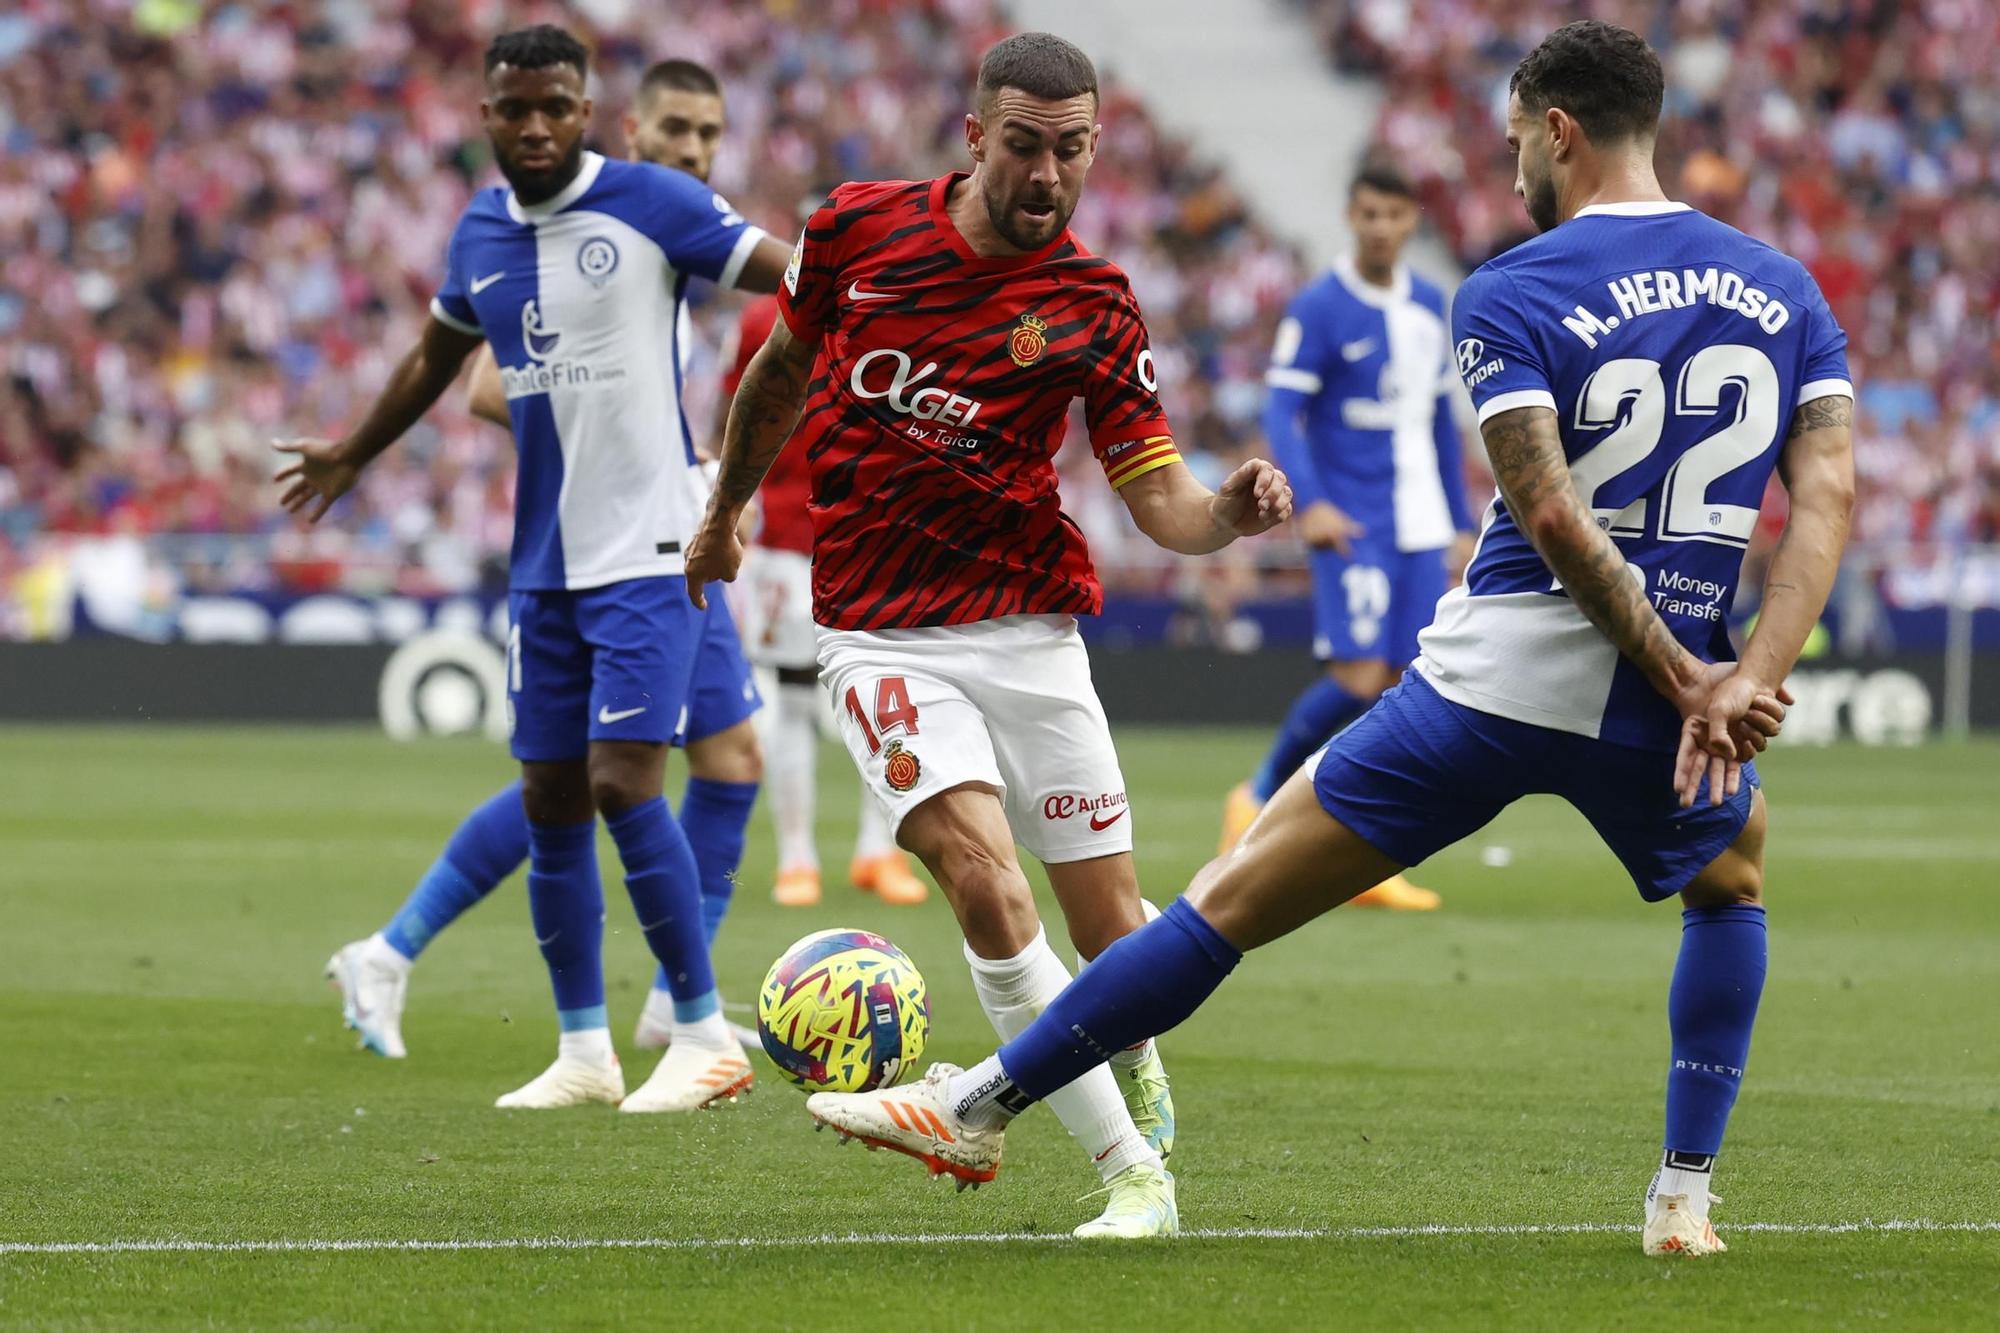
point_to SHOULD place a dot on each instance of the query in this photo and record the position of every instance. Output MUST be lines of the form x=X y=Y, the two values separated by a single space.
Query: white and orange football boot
x=916 y=1120
x=692 y=1078
x=1672 y=1228
x=889 y=878
x=797 y=887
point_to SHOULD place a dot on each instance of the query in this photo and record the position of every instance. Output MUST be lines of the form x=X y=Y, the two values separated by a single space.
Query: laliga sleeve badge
x=1027 y=342
x=900 y=768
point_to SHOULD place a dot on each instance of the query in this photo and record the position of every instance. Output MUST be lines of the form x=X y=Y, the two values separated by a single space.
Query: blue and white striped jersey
x=580 y=298
x=1673 y=350
x=1359 y=407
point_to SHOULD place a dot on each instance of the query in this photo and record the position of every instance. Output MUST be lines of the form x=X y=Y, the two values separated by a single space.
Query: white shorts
x=1006 y=703
x=775 y=609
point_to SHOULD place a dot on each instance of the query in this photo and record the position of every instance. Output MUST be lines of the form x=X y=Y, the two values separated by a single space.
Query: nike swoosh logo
x=481 y=284
x=605 y=717
x=854 y=293
x=1108 y=1151
x=545 y=943
x=1097 y=827
x=1354 y=351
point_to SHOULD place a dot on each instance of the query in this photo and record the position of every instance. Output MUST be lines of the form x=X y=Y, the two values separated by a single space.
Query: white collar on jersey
x=1395 y=293
x=1642 y=208
x=586 y=177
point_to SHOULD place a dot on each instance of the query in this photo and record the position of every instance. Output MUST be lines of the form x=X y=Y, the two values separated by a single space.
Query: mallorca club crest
x=900 y=768
x=1028 y=341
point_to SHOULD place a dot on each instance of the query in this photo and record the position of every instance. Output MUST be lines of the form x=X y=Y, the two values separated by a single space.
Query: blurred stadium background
x=219 y=223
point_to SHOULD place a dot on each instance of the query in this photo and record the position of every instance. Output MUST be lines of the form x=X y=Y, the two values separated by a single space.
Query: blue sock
x=1145 y=984
x=716 y=818
x=487 y=847
x=660 y=875
x=1316 y=715
x=566 y=901
x=1711 y=1008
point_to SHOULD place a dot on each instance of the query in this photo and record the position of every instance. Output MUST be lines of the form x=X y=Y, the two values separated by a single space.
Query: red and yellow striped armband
x=1135 y=458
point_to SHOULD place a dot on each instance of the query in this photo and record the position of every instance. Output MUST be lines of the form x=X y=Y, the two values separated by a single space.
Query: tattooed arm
x=1817 y=466
x=1534 y=480
x=761 y=418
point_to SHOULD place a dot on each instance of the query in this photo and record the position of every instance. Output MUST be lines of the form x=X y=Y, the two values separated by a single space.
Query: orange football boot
x=889 y=878
x=798 y=887
x=1239 y=810
x=1398 y=895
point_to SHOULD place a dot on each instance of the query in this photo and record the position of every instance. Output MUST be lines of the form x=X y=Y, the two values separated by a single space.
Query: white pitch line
x=946 y=1238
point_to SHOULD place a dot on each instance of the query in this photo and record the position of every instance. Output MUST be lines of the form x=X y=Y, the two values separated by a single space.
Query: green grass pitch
x=172 y=1068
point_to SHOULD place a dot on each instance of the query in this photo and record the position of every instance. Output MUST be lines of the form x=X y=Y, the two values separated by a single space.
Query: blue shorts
x=1417 y=772
x=1372 y=604
x=614 y=663
x=725 y=690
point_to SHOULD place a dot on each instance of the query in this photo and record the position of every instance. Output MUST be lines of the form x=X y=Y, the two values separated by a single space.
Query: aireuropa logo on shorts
x=1065 y=805
x=903 y=395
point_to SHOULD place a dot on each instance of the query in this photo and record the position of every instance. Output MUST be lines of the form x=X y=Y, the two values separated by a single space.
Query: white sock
x=1131 y=1055
x=1013 y=991
x=790 y=758
x=381 y=953
x=1683 y=1173
x=590 y=1045
x=871 y=836
x=660 y=1006
x=711 y=1033
x=972 y=1094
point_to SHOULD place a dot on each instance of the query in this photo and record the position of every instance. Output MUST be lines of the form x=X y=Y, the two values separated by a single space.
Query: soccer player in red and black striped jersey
x=935 y=334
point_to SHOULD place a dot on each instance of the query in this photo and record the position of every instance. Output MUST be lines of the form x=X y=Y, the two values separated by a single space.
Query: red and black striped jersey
x=938 y=405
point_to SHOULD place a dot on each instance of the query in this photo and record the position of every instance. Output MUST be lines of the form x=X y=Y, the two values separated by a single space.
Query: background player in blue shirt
x=574 y=276
x=676 y=120
x=1639 y=370
x=1361 y=388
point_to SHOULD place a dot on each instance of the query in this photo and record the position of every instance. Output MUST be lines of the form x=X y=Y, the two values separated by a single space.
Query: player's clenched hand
x=1324 y=525
x=321 y=475
x=1255 y=498
x=714 y=556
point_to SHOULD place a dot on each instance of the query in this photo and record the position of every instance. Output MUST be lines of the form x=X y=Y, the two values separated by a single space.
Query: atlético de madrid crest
x=1027 y=343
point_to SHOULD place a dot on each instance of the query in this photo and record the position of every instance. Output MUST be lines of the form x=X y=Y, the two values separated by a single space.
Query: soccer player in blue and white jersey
x=676 y=120
x=1639 y=370
x=1359 y=416
x=574 y=276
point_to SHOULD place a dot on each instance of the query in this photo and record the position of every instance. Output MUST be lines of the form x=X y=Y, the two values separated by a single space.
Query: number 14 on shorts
x=893 y=711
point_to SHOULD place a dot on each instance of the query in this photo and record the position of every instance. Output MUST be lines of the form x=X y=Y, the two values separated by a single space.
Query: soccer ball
x=844 y=1011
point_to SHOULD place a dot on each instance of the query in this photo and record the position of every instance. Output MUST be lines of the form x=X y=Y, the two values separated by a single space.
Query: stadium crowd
x=219 y=228
x=1857 y=136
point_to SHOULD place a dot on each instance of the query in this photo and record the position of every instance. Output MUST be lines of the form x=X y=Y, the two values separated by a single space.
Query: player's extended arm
x=1282 y=410
x=761 y=418
x=1534 y=478
x=485 y=395
x=326 y=469
x=1451 y=463
x=1817 y=465
x=1178 y=512
x=765 y=268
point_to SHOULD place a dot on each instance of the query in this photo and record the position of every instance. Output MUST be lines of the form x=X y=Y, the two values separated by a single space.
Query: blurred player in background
x=574 y=276
x=1586 y=655
x=1359 y=416
x=776 y=600
x=936 y=333
x=676 y=121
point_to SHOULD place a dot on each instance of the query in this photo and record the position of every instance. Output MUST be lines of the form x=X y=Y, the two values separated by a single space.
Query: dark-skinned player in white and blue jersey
x=1639 y=371
x=574 y=276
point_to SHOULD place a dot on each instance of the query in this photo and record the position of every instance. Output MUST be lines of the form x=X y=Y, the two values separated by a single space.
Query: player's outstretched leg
x=1142 y=1078
x=373 y=974
x=1295 y=863
x=1711 y=1009
x=566 y=902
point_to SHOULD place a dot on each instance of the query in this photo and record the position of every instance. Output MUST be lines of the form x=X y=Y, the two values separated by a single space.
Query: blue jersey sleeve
x=1496 y=357
x=696 y=227
x=1451 y=455
x=453 y=305
x=1825 y=374
x=1298 y=361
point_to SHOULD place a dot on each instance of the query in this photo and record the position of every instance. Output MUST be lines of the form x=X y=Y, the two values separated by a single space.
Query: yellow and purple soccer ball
x=844 y=1011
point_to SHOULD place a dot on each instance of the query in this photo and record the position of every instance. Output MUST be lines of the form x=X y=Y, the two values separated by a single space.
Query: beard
x=532 y=187
x=1541 y=202
x=1023 y=232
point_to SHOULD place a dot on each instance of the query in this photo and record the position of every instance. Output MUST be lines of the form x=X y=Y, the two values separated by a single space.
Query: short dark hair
x=683 y=76
x=1040 y=64
x=538 y=47
x=1604 y=75
x=1383 y=178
